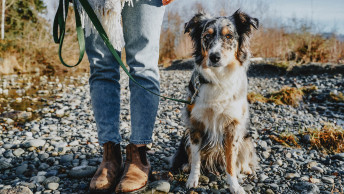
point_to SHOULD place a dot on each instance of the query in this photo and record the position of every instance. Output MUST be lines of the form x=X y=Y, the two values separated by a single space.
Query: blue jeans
x=141 y=27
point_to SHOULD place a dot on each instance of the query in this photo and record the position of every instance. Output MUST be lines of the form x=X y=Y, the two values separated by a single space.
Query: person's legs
x=104 y=89
x=105 y=97
x=141 y=27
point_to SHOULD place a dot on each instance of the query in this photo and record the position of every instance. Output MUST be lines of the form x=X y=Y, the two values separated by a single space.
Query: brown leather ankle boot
x=109 y=171
x=136 y=170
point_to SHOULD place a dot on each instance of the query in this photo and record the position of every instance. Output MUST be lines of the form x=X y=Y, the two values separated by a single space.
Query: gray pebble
x=34 y=143
x=327 y=180
x=4 y=164
x=66 y=158
x=16 y=190
x=52 y=179
x=317 y=169
x=18 y=152
x=162 y=186
x=305 y=187
x=52 y=186
x=82 y=171
x=38 y=179
x=21 y=169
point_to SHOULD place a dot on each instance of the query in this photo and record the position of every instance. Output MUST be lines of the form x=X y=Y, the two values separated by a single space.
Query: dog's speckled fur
x=216 y=137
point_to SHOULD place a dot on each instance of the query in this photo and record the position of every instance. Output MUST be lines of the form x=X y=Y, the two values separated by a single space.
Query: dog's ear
x=195 y=22
x=244 y=26
x=195 y=28
x=244 y=23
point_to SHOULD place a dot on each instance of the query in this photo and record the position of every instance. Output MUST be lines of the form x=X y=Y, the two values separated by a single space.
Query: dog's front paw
x=192 y=181
x=234 y=186
x=247 y=170
x=237 y=190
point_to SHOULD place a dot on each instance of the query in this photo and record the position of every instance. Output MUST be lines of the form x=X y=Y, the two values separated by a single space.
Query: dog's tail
x=180 y=157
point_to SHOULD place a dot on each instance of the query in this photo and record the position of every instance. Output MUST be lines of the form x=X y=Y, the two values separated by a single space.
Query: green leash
x=60 y=23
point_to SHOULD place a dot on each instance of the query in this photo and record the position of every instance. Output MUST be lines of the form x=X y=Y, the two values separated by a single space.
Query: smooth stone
x=16 y=190
x=21 y=169
x=74 y=143
x=43 y=156
x=60 y=113
x=28 y=134
x=305 y=187
x=7 y=146
x=52 y=173
x=52 y=179
x=339 y=156
x=41 y=173
x=52 y=186
x=66 y=158
x=34 y=143
x=288 y=155
x=18 y=152
x=262 y=177
x=38 y=179
x=29 y=185
x=317 y=169
x=43 y=166
x=23 y=115
x=162 y=186
x=312 y=164
x=279 y=162
x=4 y=164
x=273 y=186
x=266 y=155
x=248 y=187
x=9 y=121
x=291 y=175
x=327 y=180
x=82 y=171
x=263 y=144
x=313 y=180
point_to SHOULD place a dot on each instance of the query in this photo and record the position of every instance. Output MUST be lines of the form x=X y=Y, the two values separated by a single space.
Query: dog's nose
x=215 y=57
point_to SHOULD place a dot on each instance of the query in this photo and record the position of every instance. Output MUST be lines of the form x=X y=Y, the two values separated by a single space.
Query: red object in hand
x=165 y=2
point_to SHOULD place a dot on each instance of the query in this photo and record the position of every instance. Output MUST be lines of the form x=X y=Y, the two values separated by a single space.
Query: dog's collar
x=202 y=80
x=197 y=80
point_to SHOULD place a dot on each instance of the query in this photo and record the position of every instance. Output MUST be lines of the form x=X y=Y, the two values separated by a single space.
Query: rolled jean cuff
x=101 y=143
x=137 y=142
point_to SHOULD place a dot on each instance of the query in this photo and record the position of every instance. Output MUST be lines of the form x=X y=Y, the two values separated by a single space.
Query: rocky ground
x=48 y=140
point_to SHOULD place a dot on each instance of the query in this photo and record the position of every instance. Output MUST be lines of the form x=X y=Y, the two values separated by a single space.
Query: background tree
x=20 y=14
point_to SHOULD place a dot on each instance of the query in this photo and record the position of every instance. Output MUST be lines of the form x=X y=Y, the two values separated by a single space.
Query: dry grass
x=300 y=46
x=253 y=97
x=339 y=97
x=286 y=139
x=287 y=95
x=328 y=139
x=36 y=48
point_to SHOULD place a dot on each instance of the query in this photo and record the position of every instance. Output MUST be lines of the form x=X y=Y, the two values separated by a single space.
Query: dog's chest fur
x=218 y=105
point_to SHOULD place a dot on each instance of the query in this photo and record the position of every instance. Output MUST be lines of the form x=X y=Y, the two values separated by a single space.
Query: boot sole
x=111 y=190
x=136 y=191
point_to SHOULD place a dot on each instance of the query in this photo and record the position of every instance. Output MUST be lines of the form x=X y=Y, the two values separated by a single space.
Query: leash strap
x=60 y=23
